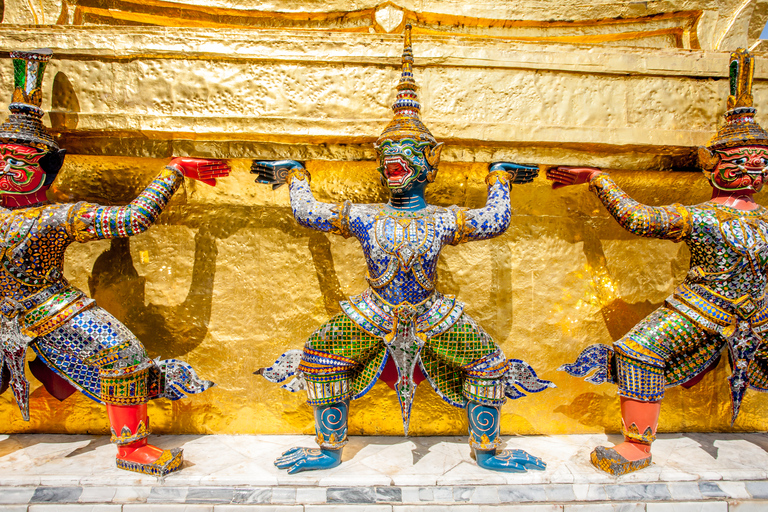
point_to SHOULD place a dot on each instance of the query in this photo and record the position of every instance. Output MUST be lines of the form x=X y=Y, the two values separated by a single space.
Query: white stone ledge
x=713 y=473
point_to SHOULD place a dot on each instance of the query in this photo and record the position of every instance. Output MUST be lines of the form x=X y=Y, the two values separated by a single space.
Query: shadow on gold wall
x=228 y=281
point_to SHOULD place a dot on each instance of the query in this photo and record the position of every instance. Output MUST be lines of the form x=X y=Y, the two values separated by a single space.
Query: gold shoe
x=614 y=463
x=167 y=463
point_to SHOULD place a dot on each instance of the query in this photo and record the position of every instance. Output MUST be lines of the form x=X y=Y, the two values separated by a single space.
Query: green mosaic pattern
x=663 y=339
x=442 y=356
x=19 y=73
x=341 y=336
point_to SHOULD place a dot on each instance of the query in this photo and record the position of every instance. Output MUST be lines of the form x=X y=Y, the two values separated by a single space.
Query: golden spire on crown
x=407 y=121
x=740 y=128
x=24 y=124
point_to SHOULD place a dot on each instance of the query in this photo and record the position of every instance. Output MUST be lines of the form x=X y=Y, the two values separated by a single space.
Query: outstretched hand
x=563 y=176
x=205 y=170
x=273 y=172
x=518 y=174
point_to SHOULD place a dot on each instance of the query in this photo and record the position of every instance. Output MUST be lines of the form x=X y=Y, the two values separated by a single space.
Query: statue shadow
x=65 y=106
x=423 y=444
x=171 y=331
x=100 y=441
x=17 y=442
x=707 y=440
x=592 y=409
x=93 y=445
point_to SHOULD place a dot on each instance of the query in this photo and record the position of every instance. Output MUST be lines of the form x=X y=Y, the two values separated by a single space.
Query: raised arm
x=493 y=219
x=308 y=211
x=91 y=222
x=668 y=222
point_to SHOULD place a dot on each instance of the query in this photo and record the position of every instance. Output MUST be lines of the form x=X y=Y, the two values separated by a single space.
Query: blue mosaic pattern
x=73 y=337
x=402 y=248
x=75 y=350
x=594 y=358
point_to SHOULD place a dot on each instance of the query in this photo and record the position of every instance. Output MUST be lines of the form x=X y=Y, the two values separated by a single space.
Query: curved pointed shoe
x=614 y=463
x=167 y=463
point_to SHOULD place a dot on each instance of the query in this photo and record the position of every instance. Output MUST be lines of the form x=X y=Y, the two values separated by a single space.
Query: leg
x=484 y=440
x=664 y=349
x=331 y=429
x=124 y=391
x=465 y=366
x=133 y=451
x=336 y=357
x=102 y=358
x=641 y=388
x=639 y=421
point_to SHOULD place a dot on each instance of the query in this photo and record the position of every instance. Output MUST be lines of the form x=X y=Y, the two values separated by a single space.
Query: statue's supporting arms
x=92 y=222
x=493 y=219
x=671 y=222
x=308 y=211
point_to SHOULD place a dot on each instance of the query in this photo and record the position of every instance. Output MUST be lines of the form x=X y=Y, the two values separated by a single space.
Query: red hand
x=563 y=176
x=205 y=170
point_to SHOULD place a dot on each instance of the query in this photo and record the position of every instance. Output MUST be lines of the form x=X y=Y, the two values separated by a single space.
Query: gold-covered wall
x=228 y=281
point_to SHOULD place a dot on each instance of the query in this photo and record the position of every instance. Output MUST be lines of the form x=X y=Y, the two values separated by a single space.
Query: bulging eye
x=740 y=161
x=14 y=161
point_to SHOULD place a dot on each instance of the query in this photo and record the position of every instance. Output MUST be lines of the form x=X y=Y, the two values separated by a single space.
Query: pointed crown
x=24 y=125
x=407 y=121
x=740 y=128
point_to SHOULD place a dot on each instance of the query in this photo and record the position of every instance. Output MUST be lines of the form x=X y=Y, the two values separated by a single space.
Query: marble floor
x=702 y=472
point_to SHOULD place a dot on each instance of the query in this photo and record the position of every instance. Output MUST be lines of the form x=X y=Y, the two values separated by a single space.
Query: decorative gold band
x=327 y=389
x=128 y=437
x=461 y=226
x=497 y=176
x=484 y=444
x=632 y=433
x=298 y=173
x=124 y=386
x=331 y=442
x=484 y=391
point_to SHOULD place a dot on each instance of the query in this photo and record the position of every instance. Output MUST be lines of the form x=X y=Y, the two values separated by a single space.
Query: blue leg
x=484 y=439
x=331 y=429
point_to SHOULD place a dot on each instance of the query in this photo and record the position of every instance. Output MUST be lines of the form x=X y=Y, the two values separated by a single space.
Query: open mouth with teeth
x=396 y=171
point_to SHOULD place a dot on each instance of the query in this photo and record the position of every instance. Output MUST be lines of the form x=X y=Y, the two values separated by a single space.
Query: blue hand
x=518 y=173
x=509 y=461
x=308 y=459
x=273 y=172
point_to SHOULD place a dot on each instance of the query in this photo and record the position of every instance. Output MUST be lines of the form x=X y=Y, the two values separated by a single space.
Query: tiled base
x=691 y=472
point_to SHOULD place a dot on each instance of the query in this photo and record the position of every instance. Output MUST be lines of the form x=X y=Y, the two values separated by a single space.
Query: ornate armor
x=89 y=349
x=721 y=302
x=75 y=338
x=400 y=319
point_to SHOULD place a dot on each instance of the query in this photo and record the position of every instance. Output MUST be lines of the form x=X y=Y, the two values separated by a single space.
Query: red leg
x=639 y=423
x=130 y=429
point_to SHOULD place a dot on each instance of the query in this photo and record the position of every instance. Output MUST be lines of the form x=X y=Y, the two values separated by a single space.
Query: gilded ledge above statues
x=233 y=93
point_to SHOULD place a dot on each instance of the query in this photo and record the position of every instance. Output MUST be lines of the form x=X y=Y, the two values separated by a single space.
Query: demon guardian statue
x=78 y=344
x=721 y=304
x=401 y=319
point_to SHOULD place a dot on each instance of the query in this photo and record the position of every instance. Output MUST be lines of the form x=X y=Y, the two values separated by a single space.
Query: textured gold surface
x=718 y=24
x=228 y=281
x=143 y=91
